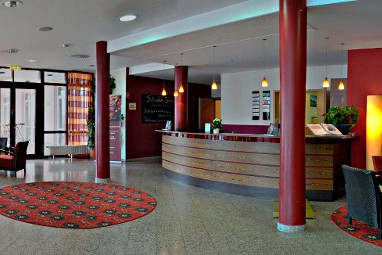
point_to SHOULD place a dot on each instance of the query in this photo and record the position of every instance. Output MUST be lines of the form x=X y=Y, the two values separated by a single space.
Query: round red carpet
x=74 y=204
x=357 y=229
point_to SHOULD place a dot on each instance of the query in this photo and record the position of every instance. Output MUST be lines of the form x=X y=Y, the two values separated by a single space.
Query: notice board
x=157 y=109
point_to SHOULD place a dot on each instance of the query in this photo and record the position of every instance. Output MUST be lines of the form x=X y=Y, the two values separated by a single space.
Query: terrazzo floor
x=187 y=220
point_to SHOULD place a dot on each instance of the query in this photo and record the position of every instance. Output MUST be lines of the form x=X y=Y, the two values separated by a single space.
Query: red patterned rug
x=74 y=204
x=357 y=229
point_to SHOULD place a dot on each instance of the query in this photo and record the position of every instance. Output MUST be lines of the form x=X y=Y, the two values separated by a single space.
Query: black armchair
x=363 y=197
x=16 y=159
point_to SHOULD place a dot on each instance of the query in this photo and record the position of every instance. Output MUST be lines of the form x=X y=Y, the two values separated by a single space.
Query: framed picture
x=313 y=100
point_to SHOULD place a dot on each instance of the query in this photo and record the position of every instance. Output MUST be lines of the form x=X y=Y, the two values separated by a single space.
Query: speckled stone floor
x=187 y=220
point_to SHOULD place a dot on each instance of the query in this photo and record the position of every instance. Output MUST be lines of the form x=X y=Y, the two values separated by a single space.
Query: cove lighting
x=128 y=17
x=311 y=3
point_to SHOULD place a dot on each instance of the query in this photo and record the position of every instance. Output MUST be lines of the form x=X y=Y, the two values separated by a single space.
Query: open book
x=323 y=129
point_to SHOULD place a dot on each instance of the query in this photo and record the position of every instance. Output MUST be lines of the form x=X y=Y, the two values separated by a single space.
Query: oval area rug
x=358 y=229
x=74 y=204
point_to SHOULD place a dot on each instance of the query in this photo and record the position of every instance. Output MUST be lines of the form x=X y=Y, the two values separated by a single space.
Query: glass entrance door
x=18 y=116
x=25 y=117
x=5 y=117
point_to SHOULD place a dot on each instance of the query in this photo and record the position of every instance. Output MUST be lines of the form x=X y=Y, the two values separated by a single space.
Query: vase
x=344 y=128
x=216 y=130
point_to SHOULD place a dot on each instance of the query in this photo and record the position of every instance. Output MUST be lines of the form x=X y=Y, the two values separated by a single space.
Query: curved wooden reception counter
x=249 y=164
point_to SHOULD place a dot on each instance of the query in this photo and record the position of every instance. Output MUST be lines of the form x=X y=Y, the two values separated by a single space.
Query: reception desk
x=250 y=164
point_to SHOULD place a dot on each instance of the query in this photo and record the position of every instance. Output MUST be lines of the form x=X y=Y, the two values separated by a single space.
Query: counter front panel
x=251 y=167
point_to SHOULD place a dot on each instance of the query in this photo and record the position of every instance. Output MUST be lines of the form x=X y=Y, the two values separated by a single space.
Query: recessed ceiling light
x=45 y=29
x=11 y=3
x=80 y=56
x=66 y=45
x=31 y=60
x=128 y=17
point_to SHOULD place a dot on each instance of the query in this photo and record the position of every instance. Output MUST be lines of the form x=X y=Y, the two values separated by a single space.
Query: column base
x=290 y=229
x=100 y=180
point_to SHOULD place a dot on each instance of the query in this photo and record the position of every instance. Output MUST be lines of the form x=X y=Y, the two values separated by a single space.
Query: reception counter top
x=249 y=164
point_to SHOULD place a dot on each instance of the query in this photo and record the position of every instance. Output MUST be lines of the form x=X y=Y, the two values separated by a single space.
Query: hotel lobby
x=207 y=200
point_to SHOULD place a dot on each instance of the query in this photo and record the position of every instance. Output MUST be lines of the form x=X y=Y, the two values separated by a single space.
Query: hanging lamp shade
x=176 y=93
x=326 y=84
x=181 y=89
x=164 y=92
x=264 y=83
x=214 y=86
x=341 y=86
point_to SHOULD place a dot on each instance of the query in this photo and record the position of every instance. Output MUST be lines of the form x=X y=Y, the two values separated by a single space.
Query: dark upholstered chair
x=14 y=160
x=363 y=197
x=377 y=162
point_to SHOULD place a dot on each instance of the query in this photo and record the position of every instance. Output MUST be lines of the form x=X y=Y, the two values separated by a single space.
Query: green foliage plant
x=342 y=115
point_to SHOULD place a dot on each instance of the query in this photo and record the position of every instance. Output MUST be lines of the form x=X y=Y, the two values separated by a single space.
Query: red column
x=102 y=128
x=292 y=26
x=181 y=77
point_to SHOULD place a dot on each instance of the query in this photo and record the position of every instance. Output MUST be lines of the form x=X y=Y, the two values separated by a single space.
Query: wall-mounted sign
x=157 y=109
x=15 y=67
x=132 y=106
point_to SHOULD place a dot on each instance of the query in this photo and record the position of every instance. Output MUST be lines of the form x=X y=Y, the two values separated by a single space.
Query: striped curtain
x=79 y=100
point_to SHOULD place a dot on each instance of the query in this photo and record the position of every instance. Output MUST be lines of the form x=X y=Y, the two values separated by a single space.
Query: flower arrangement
x=216 y=123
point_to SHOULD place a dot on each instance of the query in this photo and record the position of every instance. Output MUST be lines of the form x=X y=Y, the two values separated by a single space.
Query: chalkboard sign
x=157 y=109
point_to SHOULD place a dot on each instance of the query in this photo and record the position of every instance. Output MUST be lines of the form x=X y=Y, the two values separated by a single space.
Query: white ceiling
x=166 y=28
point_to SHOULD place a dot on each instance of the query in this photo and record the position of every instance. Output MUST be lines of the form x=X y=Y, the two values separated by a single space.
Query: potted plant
x=216 y=125
x=112 y=84
x=344 y=118
x=90 y=121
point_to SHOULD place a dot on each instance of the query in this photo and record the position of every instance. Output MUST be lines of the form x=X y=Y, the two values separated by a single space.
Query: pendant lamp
x=341 y=86
x=176 y=93
x=264 y=82
x=214 y=86
x=164 y=93
x=181 y=89
x=326 y=83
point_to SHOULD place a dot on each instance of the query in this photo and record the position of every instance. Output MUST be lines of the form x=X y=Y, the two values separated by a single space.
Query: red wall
x=195 y=91
x=364 y=78
x=141 y=139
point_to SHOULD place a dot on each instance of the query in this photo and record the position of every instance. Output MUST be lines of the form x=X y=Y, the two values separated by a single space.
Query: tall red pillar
x=181 y=77
x=102 y=127
x=293 y=41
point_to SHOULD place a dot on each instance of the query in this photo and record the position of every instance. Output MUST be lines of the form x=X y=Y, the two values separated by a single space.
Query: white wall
x=120 y=80
x=236 y=91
